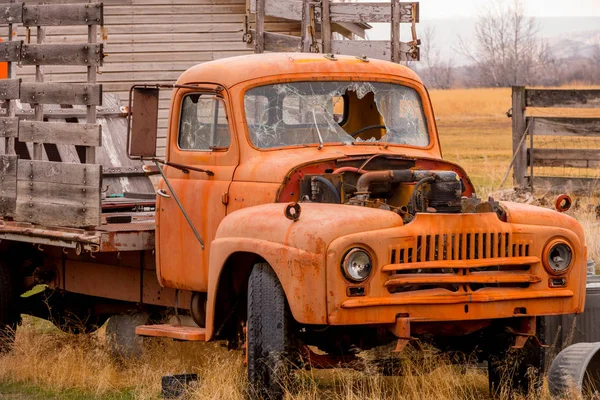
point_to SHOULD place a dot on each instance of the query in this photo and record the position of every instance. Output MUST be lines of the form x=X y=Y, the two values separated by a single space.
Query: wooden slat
x=8 y=185
x=10 y=51
x=556 y=184
x=281 y=43
x=9 y=88
x=58 y=194
x=289 y=9
x=578 y=158
x=368 y=12
x=9 y=127
x=63 y=14
x=11 y=13
x=60 y=133
x=62 y=54
x=61 y=93
x=564 y=126
x=563 y=98
x=380 y=49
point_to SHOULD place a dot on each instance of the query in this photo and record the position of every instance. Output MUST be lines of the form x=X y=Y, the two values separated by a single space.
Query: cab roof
x=231 y=71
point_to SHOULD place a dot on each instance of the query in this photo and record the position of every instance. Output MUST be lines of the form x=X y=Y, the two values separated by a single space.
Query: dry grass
x=475 y=133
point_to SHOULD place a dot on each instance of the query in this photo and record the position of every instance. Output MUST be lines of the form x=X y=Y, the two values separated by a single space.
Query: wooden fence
x=320 y=20
x=566 y=149
x=35 y=190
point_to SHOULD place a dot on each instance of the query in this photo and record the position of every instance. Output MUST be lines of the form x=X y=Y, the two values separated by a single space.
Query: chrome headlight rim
x=353 y=251
x=556 y=244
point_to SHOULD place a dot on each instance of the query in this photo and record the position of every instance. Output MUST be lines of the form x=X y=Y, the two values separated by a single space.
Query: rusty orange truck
x=304 y=201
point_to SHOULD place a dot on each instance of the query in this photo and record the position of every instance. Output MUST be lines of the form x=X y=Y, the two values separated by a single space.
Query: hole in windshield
x=306 y=113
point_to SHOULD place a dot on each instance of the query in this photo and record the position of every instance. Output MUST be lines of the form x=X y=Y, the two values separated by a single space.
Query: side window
x=203 y=124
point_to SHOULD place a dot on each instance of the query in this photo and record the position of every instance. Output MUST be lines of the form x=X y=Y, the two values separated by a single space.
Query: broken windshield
x=304 y=113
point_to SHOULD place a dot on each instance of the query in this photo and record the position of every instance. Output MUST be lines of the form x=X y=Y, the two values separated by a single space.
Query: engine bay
x=400 y=185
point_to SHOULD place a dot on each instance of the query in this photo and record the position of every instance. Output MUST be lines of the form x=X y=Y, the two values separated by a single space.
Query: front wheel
x=269 y=341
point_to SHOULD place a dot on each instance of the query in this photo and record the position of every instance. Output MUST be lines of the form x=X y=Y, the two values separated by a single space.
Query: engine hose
x=413 y=196
x=329 y=186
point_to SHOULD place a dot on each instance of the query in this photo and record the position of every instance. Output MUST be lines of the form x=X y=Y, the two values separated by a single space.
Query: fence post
x=518 y=130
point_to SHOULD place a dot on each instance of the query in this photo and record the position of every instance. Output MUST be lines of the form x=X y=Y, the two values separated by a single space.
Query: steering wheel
x=366 y=128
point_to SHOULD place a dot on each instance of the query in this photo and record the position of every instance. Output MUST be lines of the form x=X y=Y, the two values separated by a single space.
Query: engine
x=407 y=189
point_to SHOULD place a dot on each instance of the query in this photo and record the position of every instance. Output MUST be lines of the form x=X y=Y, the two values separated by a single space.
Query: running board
x=179 y=332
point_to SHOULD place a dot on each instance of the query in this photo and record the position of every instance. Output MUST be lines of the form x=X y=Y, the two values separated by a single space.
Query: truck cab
x=306 y=200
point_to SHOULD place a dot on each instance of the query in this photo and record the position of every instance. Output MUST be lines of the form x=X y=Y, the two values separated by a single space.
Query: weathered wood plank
x=556 y=184
x=62 y=54
x=289 y=9
x=564 y=126
x=11 y=13
x=60 y=193
x=563 y=98
x=63 y=14
x=61 y=93
x=281 y=43
x=9 y=127
x=10 y=51
x=518 y=131
x=9 y=89
x=576 y=158
x=369 y=12
x=48 y=213
x=8 y=185
x=60 y=133
x=57 y=172
x=380 y=49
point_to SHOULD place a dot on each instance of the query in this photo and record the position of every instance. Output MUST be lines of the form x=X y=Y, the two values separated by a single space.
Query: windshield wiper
x=318 y=131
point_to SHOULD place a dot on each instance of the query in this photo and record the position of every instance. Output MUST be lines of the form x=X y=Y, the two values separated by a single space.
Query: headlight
x=357 y=265
x=558 y=257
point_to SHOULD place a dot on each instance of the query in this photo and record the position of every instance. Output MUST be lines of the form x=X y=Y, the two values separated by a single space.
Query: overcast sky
x=434 y=9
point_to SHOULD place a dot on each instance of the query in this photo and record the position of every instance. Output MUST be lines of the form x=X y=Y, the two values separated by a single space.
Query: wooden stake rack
x=329 y=27
x=33 y=190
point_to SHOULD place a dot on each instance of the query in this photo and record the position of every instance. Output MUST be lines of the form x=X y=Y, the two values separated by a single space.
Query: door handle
x=163 y=193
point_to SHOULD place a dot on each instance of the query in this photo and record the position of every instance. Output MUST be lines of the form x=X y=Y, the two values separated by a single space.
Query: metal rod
x=187 y=218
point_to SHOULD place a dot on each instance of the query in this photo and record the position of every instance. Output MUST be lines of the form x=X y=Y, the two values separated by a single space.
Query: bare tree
x=439 y=71
x=506 y=45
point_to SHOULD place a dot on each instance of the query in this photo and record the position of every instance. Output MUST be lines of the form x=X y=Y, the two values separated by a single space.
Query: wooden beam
x=395 y=31
x=563 y=98
x=369 y=12
x=10 y=88
x=8 y=185
x=58 y=172
x=60 y=133
x=11 y=13
x=10 y=51
x=61 y=93
x=63 y=14
x=558 y=184
x=9 y=127
x=380 y=49
x=564 y=126
x=325 y=26
x=288 y=9
x=62 y=54
x=518 y=131
x=259 y=40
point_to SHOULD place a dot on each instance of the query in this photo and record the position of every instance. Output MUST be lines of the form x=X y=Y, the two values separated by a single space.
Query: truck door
x=200 y=136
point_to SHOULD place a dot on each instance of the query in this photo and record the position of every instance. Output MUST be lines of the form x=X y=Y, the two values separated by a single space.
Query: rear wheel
x=269 y=341
x=9 y=313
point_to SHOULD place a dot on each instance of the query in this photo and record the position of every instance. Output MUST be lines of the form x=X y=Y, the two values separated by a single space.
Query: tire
x=120 y=335
x=9 y=313
x=269 y=342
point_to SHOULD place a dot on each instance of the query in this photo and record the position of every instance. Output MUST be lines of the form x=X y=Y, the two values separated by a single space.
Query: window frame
x=209 y=150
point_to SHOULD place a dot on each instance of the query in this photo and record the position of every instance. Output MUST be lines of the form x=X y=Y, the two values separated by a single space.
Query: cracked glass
x=309 y=113
x=203 y=124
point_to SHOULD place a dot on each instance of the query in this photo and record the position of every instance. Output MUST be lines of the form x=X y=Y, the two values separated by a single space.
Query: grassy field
x=46 y=363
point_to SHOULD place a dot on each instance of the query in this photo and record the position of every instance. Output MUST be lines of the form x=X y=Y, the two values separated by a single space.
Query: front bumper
x=454 y=267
